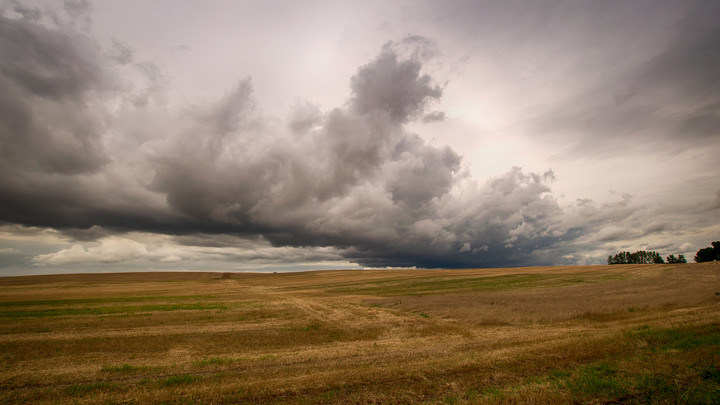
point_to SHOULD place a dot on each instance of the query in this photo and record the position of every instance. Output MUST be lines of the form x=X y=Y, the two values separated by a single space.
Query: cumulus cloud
x=109 y=251
x=221 y=180
x=154 y=248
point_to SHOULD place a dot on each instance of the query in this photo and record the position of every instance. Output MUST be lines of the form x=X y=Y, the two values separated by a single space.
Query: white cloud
x=145 y=249
x=108 y=250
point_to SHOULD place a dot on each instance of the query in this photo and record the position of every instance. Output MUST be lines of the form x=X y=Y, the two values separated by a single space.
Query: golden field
x=579 y=334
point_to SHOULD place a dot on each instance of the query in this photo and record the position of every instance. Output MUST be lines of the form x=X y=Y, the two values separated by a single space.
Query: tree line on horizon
x=643 y=257
x=707 y=254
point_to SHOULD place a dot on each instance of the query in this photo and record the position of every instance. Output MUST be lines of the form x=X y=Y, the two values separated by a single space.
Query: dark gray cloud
x=391 y=87
x=221 y=173
x=49 y=115
x=670 y=96
x=689 y=64
x=434 y=116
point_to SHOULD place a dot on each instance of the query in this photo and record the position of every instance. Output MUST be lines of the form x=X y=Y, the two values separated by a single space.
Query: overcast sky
x=297 y=135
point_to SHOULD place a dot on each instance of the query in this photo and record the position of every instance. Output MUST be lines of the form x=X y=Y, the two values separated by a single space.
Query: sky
x=298 y=135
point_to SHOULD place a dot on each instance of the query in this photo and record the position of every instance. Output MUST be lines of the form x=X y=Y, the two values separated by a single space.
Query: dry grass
x=626 y=333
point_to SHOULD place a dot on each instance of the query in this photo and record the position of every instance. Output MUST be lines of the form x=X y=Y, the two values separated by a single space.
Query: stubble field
x=581 y=334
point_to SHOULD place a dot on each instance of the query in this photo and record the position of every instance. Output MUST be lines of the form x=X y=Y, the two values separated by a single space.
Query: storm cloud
x=50 y=82
x=123 y=174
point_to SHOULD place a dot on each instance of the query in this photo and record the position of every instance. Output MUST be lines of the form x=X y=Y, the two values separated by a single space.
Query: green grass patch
x=711 y=373
x=111 y=310
x=678 y=338
x=559 y=375
x=216 y=361
x=179 y=380
x=597 y=380
x=670 y=365
x=450 y=400
x=102 y=300
x=493 y=393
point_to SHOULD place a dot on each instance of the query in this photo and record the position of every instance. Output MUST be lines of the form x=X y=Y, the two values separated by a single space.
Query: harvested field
x=598 y=334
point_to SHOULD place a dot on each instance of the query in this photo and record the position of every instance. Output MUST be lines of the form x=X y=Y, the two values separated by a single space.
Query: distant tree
x=639 y=257
x=673 y=259
x=656 y=258
x=708 y=254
